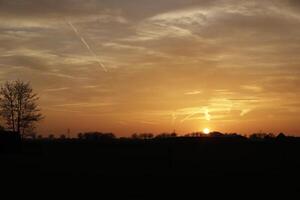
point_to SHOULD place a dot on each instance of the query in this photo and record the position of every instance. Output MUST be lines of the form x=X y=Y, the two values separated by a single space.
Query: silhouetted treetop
x=18 y=106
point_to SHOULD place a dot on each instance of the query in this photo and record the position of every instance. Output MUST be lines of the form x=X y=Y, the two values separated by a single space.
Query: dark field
x=145 y=167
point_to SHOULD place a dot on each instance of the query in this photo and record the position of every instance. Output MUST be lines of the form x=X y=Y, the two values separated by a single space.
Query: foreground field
x=167 y=165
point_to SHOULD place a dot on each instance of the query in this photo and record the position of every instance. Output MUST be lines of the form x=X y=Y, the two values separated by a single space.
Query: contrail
x=87 y=46
x=189 y=116
x=205 y=112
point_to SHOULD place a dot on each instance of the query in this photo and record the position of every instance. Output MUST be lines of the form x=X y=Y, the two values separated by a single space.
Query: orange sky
x=128 y=66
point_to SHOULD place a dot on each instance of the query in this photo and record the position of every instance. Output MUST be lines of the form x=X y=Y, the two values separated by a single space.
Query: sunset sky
x=128 y=66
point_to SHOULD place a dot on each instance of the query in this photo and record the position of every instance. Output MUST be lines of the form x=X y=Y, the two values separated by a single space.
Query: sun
x=206 y=131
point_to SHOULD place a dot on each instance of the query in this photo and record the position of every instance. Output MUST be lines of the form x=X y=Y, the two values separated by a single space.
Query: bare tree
x=18 y=106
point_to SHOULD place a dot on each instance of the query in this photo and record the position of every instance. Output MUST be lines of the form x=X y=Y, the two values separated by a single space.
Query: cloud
x=87 y=46
x=85 y=104
x=245 y=111
x=252 y=88
x=194 y=92
x=56 y=89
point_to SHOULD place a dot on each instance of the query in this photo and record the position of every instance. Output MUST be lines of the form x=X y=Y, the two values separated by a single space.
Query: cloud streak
x=84 y=42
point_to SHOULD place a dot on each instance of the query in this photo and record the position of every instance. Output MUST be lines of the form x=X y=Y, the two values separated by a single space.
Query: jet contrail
x=189 y=116
x=205 y=112
x=87 y=46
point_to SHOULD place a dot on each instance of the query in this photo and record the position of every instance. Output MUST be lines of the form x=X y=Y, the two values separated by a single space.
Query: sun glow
x=206 y=131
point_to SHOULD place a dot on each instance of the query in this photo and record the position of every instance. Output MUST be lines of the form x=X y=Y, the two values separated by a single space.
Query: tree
x=62 y=137
x=18 y=106
x=281 y=136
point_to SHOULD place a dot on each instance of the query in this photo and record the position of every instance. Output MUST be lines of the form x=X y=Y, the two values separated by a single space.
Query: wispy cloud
x=190 y=112
x=253 y=88
x=57 y=89
x=84 y=104
x=245 y=111
x=194 y=92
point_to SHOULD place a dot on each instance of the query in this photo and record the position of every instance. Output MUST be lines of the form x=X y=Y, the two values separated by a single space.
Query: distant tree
x=148 y=136
x=51 y=137
x=80 y=136
x=134 y=136
x=196 y=134
x=234 y=135
x=18 y=106
x=96 y=136
x=142 y=136
x=216 y=134
x=270 y=136
x=261 y=136
x=167 y=135
x=281 y=136
x=62 y=137
x=39 y=137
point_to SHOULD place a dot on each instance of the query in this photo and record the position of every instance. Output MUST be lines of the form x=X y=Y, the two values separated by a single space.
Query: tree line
x=99 y=136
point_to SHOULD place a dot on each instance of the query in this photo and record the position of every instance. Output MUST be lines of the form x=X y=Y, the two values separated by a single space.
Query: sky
x=127 y=66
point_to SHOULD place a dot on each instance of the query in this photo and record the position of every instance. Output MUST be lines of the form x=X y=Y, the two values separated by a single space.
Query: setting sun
x=206 y=131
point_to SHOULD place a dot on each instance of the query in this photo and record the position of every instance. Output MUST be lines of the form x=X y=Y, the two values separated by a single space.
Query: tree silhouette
x=62 y=137
x=18 y=106
x=281 y=136
x=96 y=136
x=51 y=137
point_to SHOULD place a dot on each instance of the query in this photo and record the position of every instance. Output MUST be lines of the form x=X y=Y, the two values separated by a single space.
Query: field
x=172 y=165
